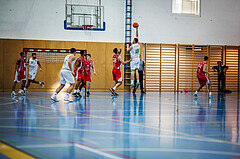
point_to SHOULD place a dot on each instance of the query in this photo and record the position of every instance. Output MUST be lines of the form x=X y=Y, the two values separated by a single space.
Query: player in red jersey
x=117 y=77
x=19 y=74
x=79 y=69
x=89 y=65
x=203 y=80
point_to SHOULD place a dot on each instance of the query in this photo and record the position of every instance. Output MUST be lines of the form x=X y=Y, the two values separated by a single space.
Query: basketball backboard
x=78 y=15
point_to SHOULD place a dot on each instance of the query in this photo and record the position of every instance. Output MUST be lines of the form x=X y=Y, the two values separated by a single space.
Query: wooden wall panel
x=101 y=55
x=76 y=44
x=160 y=64
x=98 y=53
x=153 y=67
x=232 y=74
x=34 y=43
x=216 y=54
x=1 y=66
x=168 y=67
x=11 y=51
x=185 y=68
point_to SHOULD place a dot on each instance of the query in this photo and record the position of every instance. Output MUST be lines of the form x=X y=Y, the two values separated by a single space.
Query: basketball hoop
x=87 y=27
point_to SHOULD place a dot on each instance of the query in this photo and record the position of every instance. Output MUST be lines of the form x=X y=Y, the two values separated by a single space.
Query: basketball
x=135 y=25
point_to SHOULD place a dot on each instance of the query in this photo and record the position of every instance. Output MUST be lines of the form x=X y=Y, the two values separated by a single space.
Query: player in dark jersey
x=19 y=74
x=203 y=80
x=117 y=77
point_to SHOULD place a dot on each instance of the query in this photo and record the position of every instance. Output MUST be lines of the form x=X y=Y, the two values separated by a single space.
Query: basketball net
x=87 y=29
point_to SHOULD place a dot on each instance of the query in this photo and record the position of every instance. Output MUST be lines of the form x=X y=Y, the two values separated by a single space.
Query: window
x=186 y=7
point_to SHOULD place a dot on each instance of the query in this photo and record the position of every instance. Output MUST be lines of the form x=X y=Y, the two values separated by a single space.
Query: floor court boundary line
x=113 y=132
x=97 y=151
x=70 y=142
x=13 y=152
x=180 y=133
x=67 y=145
x=44 y=146
x=174 y=150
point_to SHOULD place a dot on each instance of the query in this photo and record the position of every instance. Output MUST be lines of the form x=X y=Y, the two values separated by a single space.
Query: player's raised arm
x=129 y=48
x=136 y=32
x=120 y=50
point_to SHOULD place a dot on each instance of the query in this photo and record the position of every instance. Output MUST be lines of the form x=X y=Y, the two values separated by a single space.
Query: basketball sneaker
x=79 y=94
x=25 y=90
x=21 y=92
x=67 y=98
x=133 y=85
x=211 y=97
x=75 y=94
x=195 y=95
x=42 y=84
x=13 y=94
x=112 y=91
x=137 y=85
x=54 y=98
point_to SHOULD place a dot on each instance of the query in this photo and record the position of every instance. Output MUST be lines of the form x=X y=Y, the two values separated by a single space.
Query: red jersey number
x=88 y=65
x=116 y=62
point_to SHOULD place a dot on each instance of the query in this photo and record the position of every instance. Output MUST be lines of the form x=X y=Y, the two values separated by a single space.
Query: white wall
x=43 y=19
x=219 y=23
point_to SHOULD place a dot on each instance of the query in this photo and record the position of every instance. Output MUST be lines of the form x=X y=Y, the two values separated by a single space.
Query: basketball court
x=166 y=125
x=119 y=79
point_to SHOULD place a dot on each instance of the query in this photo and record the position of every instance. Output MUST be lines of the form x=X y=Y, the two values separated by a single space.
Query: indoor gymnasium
x=120 y=79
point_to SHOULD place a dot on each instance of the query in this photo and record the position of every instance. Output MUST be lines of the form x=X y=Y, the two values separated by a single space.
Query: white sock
x=114 y=88
x=88 y=87
x=196 y=92
x=55 y=94
x=25 y=89
x=210 y=93
x=137 y=81
x=13 y=92
x=131 y=82
x=78 y=91
x=75 y=91
x=40 y=82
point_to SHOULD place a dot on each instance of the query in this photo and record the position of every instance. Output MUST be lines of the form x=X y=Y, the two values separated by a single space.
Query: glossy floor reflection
x=152 y=125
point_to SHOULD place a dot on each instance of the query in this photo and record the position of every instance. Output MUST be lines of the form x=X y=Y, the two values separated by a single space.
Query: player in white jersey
x=66 y=76
x=135 y=56
x=33 y=64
